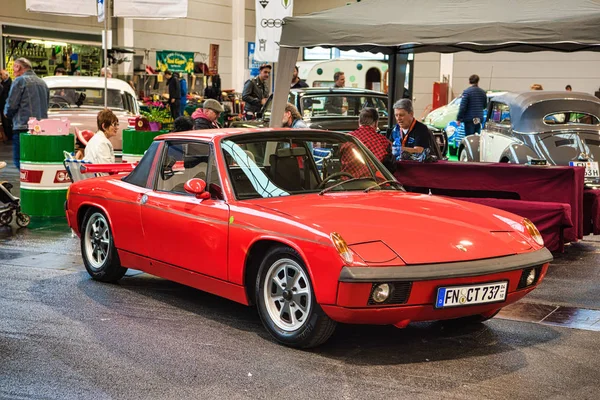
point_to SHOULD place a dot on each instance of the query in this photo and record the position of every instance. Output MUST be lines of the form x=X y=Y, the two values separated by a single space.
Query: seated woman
x=99 y=149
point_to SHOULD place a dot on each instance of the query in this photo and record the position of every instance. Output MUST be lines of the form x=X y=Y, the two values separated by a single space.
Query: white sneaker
x=2 y=164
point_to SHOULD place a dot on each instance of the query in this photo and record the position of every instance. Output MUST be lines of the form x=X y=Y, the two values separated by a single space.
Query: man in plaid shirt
x=377 y=143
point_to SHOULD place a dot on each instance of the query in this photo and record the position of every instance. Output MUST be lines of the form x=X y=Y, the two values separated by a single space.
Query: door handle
x=143 y=199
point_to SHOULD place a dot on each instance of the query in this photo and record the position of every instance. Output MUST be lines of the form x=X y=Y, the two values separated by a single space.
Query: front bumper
x=446 y=270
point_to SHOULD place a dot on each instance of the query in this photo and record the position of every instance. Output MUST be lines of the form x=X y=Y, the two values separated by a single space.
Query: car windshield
x=269 y=105
x=340 y=105
x=89 y=98
x=571 y=118
x=274 y=164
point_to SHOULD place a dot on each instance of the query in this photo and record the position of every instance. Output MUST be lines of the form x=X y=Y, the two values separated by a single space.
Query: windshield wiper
x=322 y=192
x=398 y=184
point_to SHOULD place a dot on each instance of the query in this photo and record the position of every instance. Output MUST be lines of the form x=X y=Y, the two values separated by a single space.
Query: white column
x=446 y=71
x=125 y=40
x=238 y=45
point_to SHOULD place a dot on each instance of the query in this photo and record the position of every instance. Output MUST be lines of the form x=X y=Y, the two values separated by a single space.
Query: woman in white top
x=99 y=149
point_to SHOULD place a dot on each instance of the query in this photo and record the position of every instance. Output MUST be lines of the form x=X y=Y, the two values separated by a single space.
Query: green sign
x=176 y=61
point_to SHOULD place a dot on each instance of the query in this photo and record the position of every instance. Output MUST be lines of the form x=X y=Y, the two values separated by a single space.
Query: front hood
x=563 y=147
x=418 y=228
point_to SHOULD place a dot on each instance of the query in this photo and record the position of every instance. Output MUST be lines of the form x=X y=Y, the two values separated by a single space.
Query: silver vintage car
x=558 y=128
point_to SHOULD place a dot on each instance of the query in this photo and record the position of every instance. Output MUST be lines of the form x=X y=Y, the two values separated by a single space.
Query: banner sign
x=151 y=9
x=100 y=10
x=213 y=59
x=269 y=20
x=176 y=61
x=74 y=8
x=253 y=65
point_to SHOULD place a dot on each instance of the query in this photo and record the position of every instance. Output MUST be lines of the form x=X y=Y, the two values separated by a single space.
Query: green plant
x=157 y=114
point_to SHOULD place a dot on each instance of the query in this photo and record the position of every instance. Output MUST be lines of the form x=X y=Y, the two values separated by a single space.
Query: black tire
x=100 y=256
x=313 y=326
x=452 y=150
x=6 y=218
x=23 y=220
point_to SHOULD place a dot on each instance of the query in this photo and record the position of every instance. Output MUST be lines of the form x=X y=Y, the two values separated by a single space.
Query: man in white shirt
x=99 y=149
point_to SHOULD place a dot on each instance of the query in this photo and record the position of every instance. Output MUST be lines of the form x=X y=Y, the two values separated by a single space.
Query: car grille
x=400 y=291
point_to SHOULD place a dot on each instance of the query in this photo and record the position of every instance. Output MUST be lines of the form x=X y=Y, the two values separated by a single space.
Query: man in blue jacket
x=28 y=97
x=472 y=104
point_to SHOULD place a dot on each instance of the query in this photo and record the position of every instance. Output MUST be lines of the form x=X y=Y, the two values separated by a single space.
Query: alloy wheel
x=97 y=241
x=288 y=295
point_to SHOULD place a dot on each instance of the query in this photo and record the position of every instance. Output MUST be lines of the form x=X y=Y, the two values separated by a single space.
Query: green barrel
x=44 y=180
x=135 y=143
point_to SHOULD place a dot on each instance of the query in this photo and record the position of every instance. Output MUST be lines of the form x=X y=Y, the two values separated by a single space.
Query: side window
x=182 y=162
x=500 y=114
x=139 y=176
x=213 y=182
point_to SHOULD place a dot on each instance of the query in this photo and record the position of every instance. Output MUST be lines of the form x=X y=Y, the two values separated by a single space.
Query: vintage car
x=315 y=106
x=559 y=128
x=248 y=215
x=80 y=98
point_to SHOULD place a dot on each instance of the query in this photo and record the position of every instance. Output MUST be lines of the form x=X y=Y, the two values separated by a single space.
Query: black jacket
x=254 y=91
x=4 y=89
x=201 y=123
x=300 y=84
x=174 y=89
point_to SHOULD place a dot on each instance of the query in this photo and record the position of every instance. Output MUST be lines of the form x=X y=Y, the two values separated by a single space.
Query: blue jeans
x=17 y=147
x=471 y=128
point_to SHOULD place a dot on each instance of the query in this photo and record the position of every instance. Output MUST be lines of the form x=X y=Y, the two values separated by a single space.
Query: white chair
x=73 y=167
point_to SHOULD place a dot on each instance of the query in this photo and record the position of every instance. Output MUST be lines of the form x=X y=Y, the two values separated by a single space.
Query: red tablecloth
x=591 y=212
x=490 y=180
x=550 y=218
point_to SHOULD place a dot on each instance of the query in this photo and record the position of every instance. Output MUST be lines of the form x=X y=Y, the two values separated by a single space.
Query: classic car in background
x=561 y=128
x=248 y=215
x=444 y=119
x=80 y=98
x=317 y=108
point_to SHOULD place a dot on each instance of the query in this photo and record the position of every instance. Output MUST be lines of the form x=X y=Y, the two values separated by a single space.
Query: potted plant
x=156 y=117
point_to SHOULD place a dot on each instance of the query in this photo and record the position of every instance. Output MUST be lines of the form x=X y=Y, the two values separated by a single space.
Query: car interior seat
x=285 y=168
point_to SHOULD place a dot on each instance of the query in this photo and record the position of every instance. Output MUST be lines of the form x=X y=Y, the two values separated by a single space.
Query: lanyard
x=408 y=132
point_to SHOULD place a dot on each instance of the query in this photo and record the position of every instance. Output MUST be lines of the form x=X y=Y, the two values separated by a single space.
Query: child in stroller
x=11 y=205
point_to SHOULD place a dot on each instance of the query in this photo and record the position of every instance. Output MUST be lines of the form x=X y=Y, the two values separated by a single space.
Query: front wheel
x=286 y=302
x=23 y=219
x=100 y=255
x=463 y=156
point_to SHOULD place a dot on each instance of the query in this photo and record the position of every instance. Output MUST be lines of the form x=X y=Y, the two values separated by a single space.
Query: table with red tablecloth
x=555 y=184
x=591 y=212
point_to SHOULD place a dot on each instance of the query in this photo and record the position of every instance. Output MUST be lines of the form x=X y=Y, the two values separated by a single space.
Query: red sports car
x=253 y=216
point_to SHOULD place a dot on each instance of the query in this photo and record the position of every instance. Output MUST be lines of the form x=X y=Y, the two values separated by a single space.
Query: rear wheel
x=286 y=302
x=452 y=150
x=6 y=217
x=98 y=248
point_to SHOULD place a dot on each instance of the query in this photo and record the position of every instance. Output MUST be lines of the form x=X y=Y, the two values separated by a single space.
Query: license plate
x=457 y=296
x=591 y=168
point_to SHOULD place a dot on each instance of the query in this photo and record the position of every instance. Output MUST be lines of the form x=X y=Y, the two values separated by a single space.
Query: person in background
x=60 y=71
x=536 y=86
x=99 y=149
x=256 y=91
x=5 y=84
x=106 y=71
x=292 y=118
x=568 y=88
x=184 y=91
x=28 y=97
x=472 y=104
x=298 y=83
x=206 y=117
x=183 y=124
x=409 y=134
x=335 y=104
x=174 y=93
x=213 y=91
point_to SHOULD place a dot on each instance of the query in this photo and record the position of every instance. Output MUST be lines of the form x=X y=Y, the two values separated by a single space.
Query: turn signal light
x=533 y=231
x=342 y=247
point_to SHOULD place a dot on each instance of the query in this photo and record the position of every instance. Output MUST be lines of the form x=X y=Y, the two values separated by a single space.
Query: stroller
x=11 y=205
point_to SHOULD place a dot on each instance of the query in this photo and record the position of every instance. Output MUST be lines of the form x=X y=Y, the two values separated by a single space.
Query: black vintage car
x=334 y=109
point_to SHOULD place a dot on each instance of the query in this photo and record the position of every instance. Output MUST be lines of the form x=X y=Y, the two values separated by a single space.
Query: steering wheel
x=59 y=102
x=334 y=176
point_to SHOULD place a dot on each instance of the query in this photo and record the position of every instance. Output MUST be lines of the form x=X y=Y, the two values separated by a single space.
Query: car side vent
x=400 y=291
x=564 y=142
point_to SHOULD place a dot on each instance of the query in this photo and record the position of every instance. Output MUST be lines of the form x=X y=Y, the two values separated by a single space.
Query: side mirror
x=197 y=187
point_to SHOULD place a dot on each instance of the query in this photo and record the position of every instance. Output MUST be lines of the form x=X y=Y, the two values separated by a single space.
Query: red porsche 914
x=308 y=226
